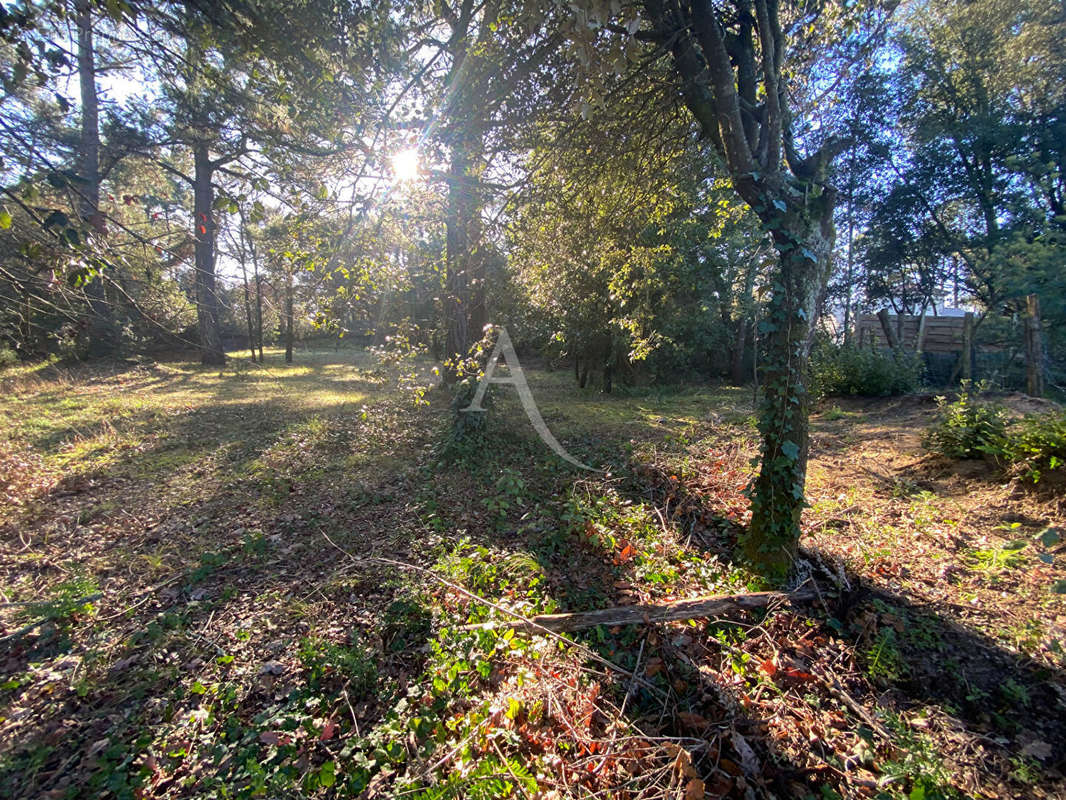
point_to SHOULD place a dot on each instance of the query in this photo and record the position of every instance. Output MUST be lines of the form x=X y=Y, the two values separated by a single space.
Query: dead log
x=673 y=611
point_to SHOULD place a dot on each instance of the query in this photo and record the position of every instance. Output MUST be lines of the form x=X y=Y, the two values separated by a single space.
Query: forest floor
x=253 y=582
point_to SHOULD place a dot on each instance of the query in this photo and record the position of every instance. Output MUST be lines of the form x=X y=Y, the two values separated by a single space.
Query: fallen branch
x=525 y=622
x=48 y=618
x=698 y=608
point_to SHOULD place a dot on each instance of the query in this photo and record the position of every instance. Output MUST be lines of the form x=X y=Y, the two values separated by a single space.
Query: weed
x=916 y=771
x=406 y=624
x=883 y=659
x=255 y=544
x=1025 y=770
x=1016 y=693
x=67 y=600
x=509 y=490
x=833 y=414
x=1038 y=445
x=850 y=370
x=968 y=428
x=328 y=663
x=994 y=560
x=209 y=562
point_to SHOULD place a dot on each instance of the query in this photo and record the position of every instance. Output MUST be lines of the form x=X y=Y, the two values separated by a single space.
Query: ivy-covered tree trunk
x=727 y=59
x=290 y=317
x=777 y=494
x=207 y=304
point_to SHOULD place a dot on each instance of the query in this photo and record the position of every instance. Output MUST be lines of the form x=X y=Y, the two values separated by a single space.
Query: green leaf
x=5 y=220
x=327 y=775
x=1048 y=538
x=1059 y=587
x=790 y=450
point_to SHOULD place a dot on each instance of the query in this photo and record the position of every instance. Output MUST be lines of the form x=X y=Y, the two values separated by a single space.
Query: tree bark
x=966 y=356
x=772 y=538
x=886 y=326
x=102 y=334
x=457 y=257
x=207 y=302
x=736 y=368
x=258 y=297
x=290 y=333
x=247 y=297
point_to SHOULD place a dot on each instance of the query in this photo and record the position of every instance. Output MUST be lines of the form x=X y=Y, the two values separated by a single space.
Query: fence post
x=966 y=356
x=886 y=326
x=1034 y=348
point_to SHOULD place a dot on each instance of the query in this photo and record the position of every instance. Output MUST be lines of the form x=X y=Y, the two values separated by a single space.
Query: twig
x=355 y=720
x=834 y=686
x=673 y=611
x=507 y=766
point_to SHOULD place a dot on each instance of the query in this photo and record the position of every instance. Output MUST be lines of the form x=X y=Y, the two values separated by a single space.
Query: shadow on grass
x=204 y=536
x=948 y=703
x=254 y=580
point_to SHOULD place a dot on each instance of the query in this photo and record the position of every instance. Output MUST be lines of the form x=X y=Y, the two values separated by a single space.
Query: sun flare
x=405 y=165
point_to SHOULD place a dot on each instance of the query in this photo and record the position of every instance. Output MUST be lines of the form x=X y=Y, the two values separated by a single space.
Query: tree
x=492 y=53
x=248 y=87
x=976 y=183
x=729 y=65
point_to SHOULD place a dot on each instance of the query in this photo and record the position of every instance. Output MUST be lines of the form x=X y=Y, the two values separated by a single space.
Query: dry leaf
x=748 y=760
x=1037 y=749
x=694 y=789
x=683 y=764
x=693 y=721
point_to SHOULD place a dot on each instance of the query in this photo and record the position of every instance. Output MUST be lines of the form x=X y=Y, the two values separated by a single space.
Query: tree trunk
x=890 y=335
x=849 y=272
x=247 y=297
x=258 y=298
x=102 y=335
x=736 y=368
x=966 y=356
x=1034 y=348
x=207 y=303
x=289 y=332
x=457 y=257
x=777 y=495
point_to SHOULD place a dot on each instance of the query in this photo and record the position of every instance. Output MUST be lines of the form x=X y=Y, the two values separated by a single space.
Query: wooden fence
x=927 y=334
x=947 y=345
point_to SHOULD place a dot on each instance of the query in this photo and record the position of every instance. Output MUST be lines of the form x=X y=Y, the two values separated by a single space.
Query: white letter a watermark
x=518 y=378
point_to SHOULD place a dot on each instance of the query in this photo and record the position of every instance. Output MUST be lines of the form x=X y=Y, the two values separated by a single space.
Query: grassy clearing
x=228 y=649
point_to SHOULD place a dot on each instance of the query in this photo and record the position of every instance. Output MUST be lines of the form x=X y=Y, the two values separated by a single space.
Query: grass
x=234 y=652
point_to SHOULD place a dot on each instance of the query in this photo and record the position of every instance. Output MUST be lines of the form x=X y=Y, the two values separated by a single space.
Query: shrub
x=7 y=357
x=968 y=428
x=1038 y=445
x=850 y=370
